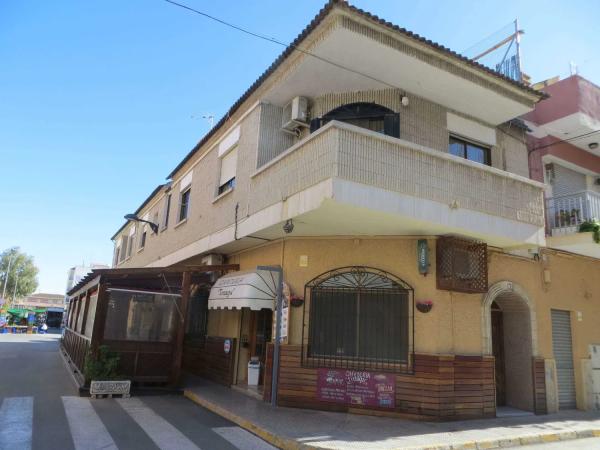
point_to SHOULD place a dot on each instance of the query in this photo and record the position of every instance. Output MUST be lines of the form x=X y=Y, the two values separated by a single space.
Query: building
x=392 y=187
x=53 y=305
x=77 y=273
x=565 y=154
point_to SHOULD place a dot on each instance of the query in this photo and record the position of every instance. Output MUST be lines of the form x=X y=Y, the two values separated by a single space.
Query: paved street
x=40 y=409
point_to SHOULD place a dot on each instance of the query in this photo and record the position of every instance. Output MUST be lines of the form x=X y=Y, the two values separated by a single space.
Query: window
x=143 y=238
x=140 y=316
x=155 y=218
x=228 y=168
x=130 y=243
x=115 y=257
x=359 y=318
x=91 y=315
x=165 y=222
x=80 y=314
x=197 y=314
x=470 y=151
x=123 y=251
x=184 y=204
x=371 y=116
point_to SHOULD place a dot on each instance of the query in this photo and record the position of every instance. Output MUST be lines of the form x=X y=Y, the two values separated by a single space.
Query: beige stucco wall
x=421 y=122
x=454 y=324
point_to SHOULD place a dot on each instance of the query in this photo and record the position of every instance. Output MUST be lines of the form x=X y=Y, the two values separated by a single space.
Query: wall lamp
x=135 y=218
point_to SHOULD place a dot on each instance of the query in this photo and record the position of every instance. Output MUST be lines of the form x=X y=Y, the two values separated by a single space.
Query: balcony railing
x=355 y=154
x=567 y=212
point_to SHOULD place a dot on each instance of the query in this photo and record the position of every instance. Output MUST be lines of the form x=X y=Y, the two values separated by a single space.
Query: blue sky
x=99 y=100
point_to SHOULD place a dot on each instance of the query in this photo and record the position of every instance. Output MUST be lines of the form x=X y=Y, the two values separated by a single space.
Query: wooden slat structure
x=443 y=387
x=77 y=346
x=142 y=361
x=539 y=386
x=206 y=358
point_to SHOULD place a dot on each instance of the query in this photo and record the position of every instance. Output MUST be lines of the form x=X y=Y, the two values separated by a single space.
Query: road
x=40 y=409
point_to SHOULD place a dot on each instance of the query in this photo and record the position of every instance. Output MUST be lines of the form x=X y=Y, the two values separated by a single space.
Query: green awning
x=24 y=312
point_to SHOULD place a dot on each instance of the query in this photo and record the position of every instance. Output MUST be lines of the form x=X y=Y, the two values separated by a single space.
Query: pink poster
x=355 y=387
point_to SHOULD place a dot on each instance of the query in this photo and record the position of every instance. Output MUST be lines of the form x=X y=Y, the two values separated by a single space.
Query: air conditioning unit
x=295 y=114
x=213 y=259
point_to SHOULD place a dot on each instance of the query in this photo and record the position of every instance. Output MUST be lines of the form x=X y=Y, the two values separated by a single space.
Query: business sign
x=285 y=315
x=356 y=388
x=423 y=256
x=227 y=346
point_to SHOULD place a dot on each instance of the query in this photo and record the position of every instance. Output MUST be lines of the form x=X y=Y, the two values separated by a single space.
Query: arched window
x=365 y=115
x=359 y=317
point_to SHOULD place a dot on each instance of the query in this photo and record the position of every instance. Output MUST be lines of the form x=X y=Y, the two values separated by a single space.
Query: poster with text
x=356 y=388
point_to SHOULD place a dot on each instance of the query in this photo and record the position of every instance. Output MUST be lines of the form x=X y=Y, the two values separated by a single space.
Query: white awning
x=256 y=289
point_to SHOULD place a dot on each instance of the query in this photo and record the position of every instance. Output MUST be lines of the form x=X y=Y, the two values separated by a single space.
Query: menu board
x=358 y=388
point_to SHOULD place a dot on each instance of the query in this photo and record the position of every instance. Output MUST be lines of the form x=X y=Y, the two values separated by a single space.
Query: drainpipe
x=276 y=347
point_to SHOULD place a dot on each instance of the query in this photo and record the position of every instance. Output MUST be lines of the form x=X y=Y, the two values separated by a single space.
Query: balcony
x=381 y=185
x=565 y=213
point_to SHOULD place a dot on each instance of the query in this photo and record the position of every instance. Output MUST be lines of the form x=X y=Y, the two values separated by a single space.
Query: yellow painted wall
x=454 y=324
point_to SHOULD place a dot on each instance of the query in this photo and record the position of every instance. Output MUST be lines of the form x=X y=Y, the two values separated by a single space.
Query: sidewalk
x=291 y=428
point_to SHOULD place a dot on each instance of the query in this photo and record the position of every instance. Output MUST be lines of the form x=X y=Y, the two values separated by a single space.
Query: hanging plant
x=592 y=225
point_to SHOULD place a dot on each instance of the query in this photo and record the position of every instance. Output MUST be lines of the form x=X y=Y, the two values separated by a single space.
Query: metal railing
x=566 y=211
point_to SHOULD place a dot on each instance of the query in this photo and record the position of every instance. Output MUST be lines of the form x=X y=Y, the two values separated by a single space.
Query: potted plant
x=592 y=225
x=100 y=369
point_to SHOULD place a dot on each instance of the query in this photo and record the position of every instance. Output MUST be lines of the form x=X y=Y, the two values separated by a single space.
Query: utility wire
x=278 y=42
x=320 y=58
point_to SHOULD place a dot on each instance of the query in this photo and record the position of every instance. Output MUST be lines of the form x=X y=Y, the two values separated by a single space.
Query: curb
x=289 y=444
x=516 y=441
x=271 y=438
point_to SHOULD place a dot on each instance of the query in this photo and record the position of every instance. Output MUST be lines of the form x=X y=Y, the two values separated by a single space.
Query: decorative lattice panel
x=461 y=265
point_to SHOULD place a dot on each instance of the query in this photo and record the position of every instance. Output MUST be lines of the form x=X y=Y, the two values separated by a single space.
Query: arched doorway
x=510 y=334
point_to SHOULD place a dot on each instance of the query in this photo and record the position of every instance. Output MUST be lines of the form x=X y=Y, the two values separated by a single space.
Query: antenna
x=211 y=119
x=500 y=51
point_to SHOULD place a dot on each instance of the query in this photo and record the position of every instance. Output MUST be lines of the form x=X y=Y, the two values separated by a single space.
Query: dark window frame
x=227 y=186
x=354 y=302
x=360 y=111
x=184 y=204
x=166 y=213
x=465 y=143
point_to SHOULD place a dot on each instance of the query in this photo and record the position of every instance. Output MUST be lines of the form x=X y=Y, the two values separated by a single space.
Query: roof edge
x=317 y=20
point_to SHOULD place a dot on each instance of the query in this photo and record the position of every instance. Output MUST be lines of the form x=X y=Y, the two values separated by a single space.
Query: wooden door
x=498 y=351
x=260 y=334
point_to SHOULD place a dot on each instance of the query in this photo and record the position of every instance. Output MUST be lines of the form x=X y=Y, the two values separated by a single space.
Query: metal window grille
x=461 y=265
x=359 y=318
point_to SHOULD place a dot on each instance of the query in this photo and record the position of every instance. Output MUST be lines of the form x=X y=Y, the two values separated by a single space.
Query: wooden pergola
x=148 y=360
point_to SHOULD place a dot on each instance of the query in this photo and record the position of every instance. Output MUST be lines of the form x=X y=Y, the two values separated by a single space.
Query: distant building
x=53 y=305
x=564 y=153
x=76 y=273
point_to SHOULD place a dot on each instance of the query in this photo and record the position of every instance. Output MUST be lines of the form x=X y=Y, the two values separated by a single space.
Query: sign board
x=285 y=315
x=255 y=289
x=423 y=256
x=227 y=346
x=356 y=388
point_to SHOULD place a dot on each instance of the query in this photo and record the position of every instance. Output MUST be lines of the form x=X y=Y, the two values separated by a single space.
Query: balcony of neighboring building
x=564 y=216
